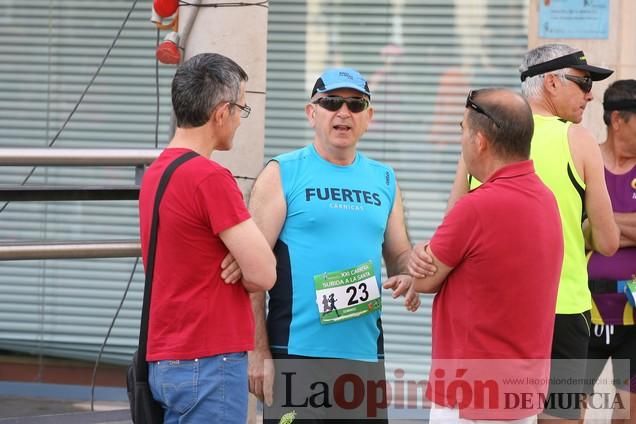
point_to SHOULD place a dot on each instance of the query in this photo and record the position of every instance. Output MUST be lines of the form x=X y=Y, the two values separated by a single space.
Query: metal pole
x=70 y=250
x=76 y=157
x=66 y=193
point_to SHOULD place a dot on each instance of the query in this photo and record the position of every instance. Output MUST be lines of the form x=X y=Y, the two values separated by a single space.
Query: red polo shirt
x=193 y=313
x=505 y=245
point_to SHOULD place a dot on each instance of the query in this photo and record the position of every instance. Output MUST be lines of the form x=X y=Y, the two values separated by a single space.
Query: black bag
x=144 y=409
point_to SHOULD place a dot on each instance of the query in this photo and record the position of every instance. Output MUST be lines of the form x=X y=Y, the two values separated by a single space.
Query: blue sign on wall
x=573 y=18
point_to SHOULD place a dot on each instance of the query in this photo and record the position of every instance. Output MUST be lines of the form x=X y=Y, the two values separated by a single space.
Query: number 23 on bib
x=346 y=294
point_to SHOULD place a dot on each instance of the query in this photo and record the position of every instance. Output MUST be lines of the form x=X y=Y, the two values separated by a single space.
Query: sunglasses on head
x=584 y=83
x=470 y=103
x=334 y=103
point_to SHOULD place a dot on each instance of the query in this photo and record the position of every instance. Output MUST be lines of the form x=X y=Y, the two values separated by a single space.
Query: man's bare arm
x=253 y=255
x=395 y=250
x=268 y=209
x=603 y=235
x=396 y=246
x=429 y=283
x=460 y=184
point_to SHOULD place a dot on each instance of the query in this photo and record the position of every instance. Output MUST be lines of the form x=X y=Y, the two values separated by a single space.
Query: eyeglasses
x=245 y=110
x=334 y=103
x=584 y=83
x=471 y=104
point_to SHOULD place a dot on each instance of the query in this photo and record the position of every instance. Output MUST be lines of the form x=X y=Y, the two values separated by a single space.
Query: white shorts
x=442 y=415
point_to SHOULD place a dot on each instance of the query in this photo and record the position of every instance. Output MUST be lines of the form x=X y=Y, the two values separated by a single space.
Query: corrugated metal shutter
x=421 y=58
x=50 y=49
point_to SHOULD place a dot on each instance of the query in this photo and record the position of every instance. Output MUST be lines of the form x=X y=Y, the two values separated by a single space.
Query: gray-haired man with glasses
x=209 y=254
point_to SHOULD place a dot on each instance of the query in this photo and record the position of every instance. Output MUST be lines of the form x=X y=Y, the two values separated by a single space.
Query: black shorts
x=567 y=371
x=309 y=387
x=619 y=343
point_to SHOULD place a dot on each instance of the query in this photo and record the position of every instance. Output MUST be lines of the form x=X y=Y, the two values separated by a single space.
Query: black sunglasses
x=471 y=104
x=334 y=103
x=584 y=83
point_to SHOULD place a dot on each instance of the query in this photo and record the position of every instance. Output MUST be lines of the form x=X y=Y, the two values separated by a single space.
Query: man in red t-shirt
x=210 y=254
x=498 y=253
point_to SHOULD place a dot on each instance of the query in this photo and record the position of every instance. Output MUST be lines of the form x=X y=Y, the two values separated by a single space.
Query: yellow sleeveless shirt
x=553 y=163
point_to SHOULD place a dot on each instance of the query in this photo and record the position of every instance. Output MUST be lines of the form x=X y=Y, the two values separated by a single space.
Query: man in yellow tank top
x=557 y=82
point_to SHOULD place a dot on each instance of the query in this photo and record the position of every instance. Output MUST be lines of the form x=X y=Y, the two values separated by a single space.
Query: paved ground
x=29 y=410
x=25 y=403
x=23 y=406
x=25 y=410
x=19 y=410
x=46 y=403
x=62 y=394
x=41 y=403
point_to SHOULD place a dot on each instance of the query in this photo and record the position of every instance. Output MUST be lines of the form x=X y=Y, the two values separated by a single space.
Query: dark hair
x=201 y=83
x=511 y=140
x=617 y=91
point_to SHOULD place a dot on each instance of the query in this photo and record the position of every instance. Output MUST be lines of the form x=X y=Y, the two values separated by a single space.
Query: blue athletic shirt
x=336 y=219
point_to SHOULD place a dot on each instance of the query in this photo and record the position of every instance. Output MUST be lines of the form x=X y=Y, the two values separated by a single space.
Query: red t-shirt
x=494 y=314
x=193 y=313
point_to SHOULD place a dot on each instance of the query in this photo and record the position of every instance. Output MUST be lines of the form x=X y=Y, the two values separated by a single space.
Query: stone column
x=241 y=34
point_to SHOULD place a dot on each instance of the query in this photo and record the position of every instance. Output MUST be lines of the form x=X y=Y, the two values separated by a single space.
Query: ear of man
x=310 y=112
x=614 y=120
x=220 y=114
x=550 y=83
x=481 y=141
x=370 y=111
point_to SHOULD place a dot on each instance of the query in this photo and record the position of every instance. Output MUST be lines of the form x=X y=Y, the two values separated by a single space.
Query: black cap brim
x=596 y=73
x=574 y=60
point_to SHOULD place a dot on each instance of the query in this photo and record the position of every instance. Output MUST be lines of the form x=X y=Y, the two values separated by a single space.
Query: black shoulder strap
x=152 y=249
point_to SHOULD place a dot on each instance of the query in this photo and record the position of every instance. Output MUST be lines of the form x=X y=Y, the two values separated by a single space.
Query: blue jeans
x=205 y=390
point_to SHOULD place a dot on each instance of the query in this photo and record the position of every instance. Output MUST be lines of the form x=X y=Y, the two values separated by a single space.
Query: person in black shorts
x=613 y=317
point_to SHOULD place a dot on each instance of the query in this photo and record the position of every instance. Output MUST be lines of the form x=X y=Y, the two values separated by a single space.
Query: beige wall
x=618 y=52
x=241 y=34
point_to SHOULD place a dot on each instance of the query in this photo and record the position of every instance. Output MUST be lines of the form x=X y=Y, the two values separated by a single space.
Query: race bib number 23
x=347 y=294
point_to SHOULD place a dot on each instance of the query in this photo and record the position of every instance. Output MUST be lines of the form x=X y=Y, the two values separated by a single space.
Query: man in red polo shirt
x=498 y=253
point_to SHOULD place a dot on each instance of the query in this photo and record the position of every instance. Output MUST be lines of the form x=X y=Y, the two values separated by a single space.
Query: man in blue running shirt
x=331 y=215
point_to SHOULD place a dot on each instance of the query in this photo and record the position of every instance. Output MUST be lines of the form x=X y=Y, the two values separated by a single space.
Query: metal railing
x=69 y=250
x=72 y=157
x=77 y=157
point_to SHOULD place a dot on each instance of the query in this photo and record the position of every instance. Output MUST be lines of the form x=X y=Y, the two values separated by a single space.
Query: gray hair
x=533 y=86
x=202 y=83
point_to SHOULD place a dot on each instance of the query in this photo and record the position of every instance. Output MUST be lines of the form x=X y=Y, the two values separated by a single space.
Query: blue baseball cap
x=335 y=78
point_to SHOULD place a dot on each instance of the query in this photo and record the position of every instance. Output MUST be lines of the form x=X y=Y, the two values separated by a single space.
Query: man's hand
x=230 y=270
x=421 y=264
x=412 y=300
x=260 y=373
x=401 y=286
